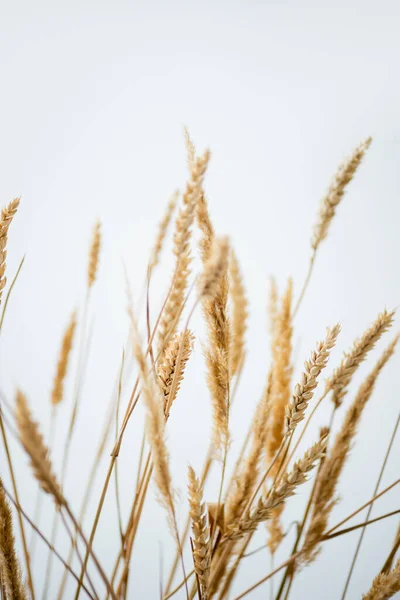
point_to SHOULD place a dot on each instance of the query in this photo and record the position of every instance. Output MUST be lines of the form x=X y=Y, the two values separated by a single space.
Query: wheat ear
x=341 y=376
x=201 y=533
x=335 y=193
x=7 y=215
x=10 y=569
x=169 y=369
x=304 y=390
x=94 y=254
x=62 y=365
x=286 y=488
x=331 y=470
x=215 y=269
x=385 y=585
x=32 y=441
x=281 y=372
x=239 y=314
x=183 y=230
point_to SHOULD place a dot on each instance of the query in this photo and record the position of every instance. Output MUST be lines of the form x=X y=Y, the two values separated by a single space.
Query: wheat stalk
x=162 y=230
x=281 y=372
x=286 y=488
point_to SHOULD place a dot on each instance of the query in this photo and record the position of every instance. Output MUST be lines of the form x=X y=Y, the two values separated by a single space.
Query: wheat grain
x=183 y=229
x=215 y=269
x=336 y=192
x=7 y=215
x=168 y=369
x=286 y=488
x=32 y=441
x=385 y=585
x=10 y=569
x=201 y=533
x=239 y=315
x=281 y=373
x=62 y=365
x=309 y=380
x=341 y=376
x=94 y=255
x=190 y=148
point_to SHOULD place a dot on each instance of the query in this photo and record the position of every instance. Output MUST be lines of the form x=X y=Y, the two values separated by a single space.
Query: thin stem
x=305 y=285
x=353 y=514
x=363 y=525
x=119 y=513
x=271 y=574
x=10 y=290
x=378 y=483
x=78 y=384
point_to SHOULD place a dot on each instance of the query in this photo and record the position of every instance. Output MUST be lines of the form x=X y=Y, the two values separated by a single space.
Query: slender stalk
x=378 y=483
x=78 y=383
x=305 y=285
x=3 y=313
x=363 y=525
x=119 y=513
x=353 y=514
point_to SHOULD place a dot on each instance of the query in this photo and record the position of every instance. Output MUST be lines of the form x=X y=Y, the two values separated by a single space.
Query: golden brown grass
x=225 y=511
x=10 y=570
x=62 y=365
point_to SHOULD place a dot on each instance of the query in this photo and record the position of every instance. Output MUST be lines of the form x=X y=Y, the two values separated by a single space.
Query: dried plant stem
x=117 y=491
x=378 y=483
x=19 y=516
x=353 y=514
x=360 y=525
x=305 y=284
x=10 y=569
x=10 y=289
x=89 y=486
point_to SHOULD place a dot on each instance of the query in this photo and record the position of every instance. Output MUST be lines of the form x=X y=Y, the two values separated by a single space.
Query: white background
x=93 y=99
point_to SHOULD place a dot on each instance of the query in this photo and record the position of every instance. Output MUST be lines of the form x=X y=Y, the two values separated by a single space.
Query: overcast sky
x=94 y=96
